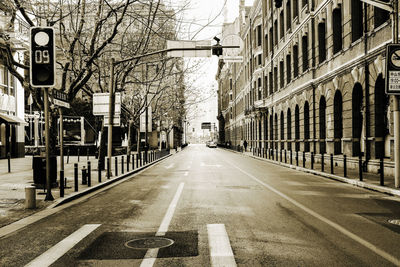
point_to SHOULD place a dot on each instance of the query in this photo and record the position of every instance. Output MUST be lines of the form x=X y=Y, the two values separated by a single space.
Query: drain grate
x=149 y=242
x=396 y=222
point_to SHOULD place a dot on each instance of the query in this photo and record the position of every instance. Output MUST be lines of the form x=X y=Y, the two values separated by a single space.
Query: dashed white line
x=220 y=248
x=169 y=166
x=186 y=173
x=62 y=247
x=151 y=254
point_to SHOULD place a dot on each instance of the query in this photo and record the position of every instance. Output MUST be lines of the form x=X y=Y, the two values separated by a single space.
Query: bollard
x=297 y=158
x=108 y=168
x=360 y=167
x=382 y=172
x=285 y=156
x=116 y=166
x=322 y=162
x=99 y=174
x=89 y=175
x=76 y=176
x=62 y=183
x=304 y=159
x=331 y=163
x=312 y=160
x=141 y=159
x=67 y=155
x=137 y=160
x=291 y=157
x=87 y=153
x=133 y=162
x=280 y=155
x=9 y=161
x=30 y=197
x=128 y=158
x=78 y=153
x=84 y=175
x=122 y=164
x=344 y=166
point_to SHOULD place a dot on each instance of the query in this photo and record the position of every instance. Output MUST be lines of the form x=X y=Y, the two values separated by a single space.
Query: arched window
x=304 y=44
x=380 y=15
x=282 y=130
x=306 y=126
x=281 y=75
x=321 y=42
x=338 y=122
x=276 y=127
x=282 y=25
x=295 y=8
x=289 y=128
x=266 y=127
x=356 y=20
x=337 y=30
x=322 y=124
x=271 y=83
x=275 y=79
x=276 y=32
x=288 y=68
x=271 y=39
x=357 y=118
x=271 y=129
x=297 y=127
x=381 y=117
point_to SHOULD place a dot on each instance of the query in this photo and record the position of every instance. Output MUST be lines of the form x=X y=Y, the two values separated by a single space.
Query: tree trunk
x=129 y=148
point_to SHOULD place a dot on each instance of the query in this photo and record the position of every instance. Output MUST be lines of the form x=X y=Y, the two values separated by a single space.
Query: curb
x=88 y=190
x=377 y=188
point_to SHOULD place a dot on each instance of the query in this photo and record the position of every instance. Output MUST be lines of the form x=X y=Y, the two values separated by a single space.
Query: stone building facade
x=312 y=80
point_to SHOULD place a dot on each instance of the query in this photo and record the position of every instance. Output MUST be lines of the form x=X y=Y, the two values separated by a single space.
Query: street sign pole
x=49 y=196
x=111 y=109
x=61 y=152
x=396 y=114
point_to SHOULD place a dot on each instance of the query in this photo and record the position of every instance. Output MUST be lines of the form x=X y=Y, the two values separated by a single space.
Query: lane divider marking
x=221 y=253
x=62 y=247
x=151 y=254
x=334 y=225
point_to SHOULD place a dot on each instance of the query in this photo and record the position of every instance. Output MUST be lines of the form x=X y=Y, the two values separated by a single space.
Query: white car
x=212 y=144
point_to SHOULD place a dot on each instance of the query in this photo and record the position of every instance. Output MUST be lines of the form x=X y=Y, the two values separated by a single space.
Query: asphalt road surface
x=211 y=207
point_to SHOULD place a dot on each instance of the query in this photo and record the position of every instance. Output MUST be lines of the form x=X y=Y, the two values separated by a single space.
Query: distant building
x=312 y=80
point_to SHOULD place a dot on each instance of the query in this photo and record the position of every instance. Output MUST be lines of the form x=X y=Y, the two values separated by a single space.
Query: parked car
x=207 y=143
x=212 y=144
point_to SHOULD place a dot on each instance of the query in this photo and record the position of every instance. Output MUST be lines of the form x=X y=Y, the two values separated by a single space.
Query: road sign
x=101 y=104
x=42 y=57
x=206 y=125
x=60 y=99
x=116 y=121
x=393 y=69
x=189 y=44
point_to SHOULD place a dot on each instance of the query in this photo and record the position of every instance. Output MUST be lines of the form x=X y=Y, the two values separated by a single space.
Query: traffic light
x=217 y=50
x=278 y=3
x=42 y=57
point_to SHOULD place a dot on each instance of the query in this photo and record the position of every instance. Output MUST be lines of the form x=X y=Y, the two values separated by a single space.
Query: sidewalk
x=369 y=181
x=12 y=185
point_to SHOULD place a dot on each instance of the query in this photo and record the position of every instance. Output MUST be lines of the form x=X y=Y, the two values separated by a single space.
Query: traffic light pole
x=49 y=196
x=111 y=109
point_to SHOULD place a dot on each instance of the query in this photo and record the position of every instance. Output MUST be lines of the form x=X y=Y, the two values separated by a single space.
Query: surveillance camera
x=217 y=39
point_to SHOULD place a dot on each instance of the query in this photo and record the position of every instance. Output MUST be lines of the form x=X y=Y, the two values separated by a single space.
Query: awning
x=11 y=119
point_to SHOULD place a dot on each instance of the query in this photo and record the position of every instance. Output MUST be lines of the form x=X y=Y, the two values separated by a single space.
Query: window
x=356 y=20
x=304 y=3
x=288 y=68
x=259 y=59
x=306 y=127
x=337 y=29
x=380 y=15
x=338 y=122
x=295 y=61
x=304 y=42
x=295 y=9
x=259 y=35
x=288 y=16
x=297 y=127
x=281 y=77
x=321 y=42
x=322 y=124
x=266 y=42
x=282 y=126
x=275 y=79
x=271 y=40
x=276 y=32
x=271 y=84
x=282 y=25
x=259 y=88
x=289 y=125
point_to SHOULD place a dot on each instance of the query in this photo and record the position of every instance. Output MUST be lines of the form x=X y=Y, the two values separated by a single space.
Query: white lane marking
x=169 y=166
x=336 y=226
x=220 y=248
x=210 y=165
x=186 y=173
x=151 y=254
x=62 y=247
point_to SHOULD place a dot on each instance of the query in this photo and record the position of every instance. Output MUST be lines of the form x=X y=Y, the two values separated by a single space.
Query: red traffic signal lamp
x=42 y=57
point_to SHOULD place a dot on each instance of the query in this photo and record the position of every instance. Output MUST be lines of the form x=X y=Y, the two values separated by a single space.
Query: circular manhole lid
x=149 y=242
x=396 y=222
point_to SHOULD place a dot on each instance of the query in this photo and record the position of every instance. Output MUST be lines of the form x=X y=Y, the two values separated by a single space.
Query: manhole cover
x=149 y=242
x=396 y=222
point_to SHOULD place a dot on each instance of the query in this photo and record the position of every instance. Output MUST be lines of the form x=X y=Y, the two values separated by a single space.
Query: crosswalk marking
x=57 y=251
x=220 y=248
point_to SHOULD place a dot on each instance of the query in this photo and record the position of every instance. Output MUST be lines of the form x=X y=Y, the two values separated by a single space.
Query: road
x=219 y=209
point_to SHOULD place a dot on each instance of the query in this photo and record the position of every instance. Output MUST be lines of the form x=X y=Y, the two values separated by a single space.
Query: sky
x=196 y=16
